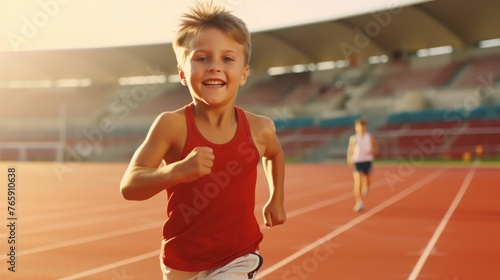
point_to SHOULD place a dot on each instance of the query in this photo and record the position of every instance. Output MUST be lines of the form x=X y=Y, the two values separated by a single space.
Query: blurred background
x=83 y=80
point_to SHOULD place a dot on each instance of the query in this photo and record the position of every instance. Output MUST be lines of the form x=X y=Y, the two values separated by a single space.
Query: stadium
x=425 y=74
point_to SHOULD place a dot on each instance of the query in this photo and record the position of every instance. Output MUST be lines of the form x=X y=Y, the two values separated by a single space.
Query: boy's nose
x=214 y=66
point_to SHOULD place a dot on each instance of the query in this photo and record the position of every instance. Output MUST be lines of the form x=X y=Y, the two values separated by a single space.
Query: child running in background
x=211 y=150
x=360 y=154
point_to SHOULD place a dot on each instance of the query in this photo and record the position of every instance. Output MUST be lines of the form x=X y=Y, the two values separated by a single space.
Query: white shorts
x=242 y=268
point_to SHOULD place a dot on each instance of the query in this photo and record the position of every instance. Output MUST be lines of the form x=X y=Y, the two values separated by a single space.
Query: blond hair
x=208 y=15
x=360 y=122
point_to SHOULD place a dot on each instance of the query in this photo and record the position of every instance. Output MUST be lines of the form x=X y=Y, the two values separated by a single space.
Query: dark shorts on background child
x=363 y=167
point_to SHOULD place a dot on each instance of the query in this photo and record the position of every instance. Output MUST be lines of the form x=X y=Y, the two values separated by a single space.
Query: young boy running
x=360 y=154
x=211 y=151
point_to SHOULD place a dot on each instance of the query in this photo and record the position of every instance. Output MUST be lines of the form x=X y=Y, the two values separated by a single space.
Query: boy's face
x=214 y=68
x=360 y=128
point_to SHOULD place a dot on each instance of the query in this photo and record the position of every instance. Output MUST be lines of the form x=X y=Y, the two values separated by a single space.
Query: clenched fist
x=198 y=163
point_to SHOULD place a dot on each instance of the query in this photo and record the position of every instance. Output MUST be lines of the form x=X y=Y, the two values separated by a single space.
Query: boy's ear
x=182 y=76
x=244 y=76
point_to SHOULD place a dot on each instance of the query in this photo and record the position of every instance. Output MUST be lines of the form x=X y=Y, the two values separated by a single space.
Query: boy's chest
x=214 y=138
x=218 y=135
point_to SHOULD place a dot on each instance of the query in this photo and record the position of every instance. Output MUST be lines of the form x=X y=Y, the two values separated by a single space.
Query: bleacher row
x=457 y=75
x=302 y=135
x=393 y=78
x=448 y=134
x=284 y=89
x=442 y=133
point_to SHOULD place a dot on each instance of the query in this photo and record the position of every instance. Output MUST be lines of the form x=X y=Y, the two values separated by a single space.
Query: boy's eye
x=206 y=58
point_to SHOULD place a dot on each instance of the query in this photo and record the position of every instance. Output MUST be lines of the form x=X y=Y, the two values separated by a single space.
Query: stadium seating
x=298 y=143
x=484 y=133
x=165 y=101
x=406 y=134
x=303 y=102
x=28 y=104
x=273 y=91
x=400 y=77
x=301 y=136
x=481 y=71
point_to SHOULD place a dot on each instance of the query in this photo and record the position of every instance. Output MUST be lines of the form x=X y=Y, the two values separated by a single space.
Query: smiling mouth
x=214 y=83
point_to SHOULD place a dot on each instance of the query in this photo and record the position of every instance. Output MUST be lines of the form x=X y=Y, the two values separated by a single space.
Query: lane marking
x=86 y=222
x=439 y=230
x=326 y=188
x=352 y=223
x=113 y=265
x=91 y=238
x=147 y=227
x=328 y=202
x=291 y=214
x=63 y=213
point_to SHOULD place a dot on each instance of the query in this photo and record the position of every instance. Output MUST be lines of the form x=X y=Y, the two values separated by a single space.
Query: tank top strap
x=244 y=130
x=194 y=137
x=189 y=112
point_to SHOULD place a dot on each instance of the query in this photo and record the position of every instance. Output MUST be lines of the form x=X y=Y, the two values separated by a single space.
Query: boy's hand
x=197 y=163
x=274 y=214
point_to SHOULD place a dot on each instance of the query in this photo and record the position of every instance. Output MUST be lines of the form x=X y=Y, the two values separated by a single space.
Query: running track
x=420 y=223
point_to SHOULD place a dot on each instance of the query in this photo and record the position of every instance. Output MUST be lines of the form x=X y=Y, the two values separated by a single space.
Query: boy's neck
x=215 y=117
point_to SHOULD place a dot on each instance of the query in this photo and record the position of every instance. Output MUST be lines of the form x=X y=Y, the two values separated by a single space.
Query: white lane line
x=328 y=202
x=437 y=233
x=318 y=205
x=324 y=203
x=291 y=214
x=91 y=238
x=352 y=223
x=86 y=222
x=63 y=213
x=326 y=188
x=114 y=265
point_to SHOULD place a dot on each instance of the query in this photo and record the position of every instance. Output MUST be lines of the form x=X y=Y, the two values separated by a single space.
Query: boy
x=360 y=154
x=211 y=150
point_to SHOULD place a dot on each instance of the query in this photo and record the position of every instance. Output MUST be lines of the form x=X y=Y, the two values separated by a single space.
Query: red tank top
x=211 y=221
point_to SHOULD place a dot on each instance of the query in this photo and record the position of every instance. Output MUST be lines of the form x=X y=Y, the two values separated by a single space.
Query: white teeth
x=214 y=83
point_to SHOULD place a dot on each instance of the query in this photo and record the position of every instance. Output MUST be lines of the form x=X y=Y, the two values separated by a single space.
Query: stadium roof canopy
x=403 y=26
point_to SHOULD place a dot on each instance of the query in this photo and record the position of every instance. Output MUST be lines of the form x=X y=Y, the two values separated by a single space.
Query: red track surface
x=419 y=223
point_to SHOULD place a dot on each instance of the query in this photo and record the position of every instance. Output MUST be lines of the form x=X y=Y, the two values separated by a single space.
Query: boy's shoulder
x=258 y=120
x=170 y=119
x=172 y=115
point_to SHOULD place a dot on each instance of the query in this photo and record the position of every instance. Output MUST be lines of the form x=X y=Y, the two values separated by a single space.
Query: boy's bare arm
x=274 y=168
x=350 y=150
x=374 y=146
x=144 y=178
